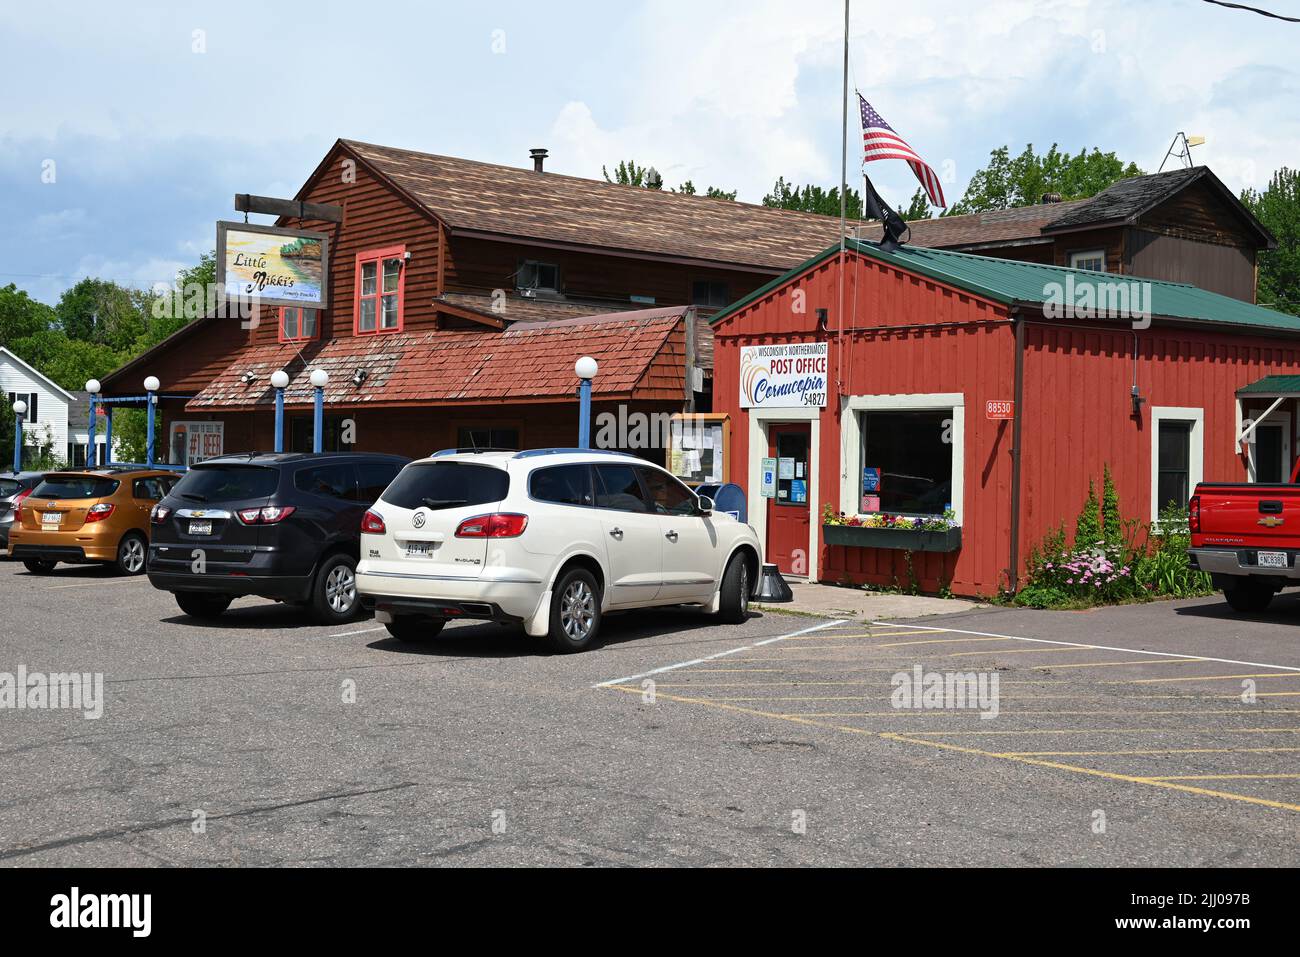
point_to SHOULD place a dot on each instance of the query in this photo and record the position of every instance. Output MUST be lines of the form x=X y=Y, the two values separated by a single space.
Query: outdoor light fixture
x=359 y=376
x=280 y=379
x=248 y=377
x=20 y=407
x=151 y=384
x=319 y=378
x=93 y=386
x=586 y=368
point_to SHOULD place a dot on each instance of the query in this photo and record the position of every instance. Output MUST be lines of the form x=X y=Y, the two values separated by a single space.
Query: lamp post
x=586 y=369
x=92 y=386
x=151 y=387
x=319 y=379
x=20 y=409
x=280 y=380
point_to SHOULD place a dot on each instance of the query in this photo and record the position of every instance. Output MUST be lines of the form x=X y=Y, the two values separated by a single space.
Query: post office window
x=618 y=488
x=907 y=460
x=667 y=495
x=562 y=485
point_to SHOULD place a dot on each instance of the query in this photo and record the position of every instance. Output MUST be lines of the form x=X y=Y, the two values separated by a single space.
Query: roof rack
x=468 y=451
x=533 y=453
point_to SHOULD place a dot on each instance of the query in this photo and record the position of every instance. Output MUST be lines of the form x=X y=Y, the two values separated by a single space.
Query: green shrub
x=1087 y=527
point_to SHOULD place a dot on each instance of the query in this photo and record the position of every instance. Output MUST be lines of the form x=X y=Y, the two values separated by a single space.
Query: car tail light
x=159 y=514
x=18 y=501
x=268 y=515
x=372 y=523
x=97 y=513
x=1194 y=514
x=501 y=525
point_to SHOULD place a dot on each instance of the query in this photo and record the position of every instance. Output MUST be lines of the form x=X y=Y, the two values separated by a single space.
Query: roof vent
x=539 y=159
x=1051 y=198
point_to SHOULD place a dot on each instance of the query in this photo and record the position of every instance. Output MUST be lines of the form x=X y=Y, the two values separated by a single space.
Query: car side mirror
x=705 y=505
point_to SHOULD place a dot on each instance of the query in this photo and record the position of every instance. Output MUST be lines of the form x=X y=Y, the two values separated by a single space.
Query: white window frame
x=1274 y=418
x=1077 y=254
x=1195 y=456
x=851 y=430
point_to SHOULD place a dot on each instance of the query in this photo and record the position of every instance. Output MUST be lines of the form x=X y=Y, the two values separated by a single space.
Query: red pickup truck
x=1248 y=538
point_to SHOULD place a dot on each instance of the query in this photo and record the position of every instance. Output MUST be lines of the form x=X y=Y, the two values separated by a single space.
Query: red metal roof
x=641 y=356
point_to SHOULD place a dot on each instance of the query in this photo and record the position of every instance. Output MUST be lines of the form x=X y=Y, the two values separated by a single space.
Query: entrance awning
x=1273 y=387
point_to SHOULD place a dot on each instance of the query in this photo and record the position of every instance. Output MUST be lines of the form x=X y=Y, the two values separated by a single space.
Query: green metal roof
x=1273 y=385
x=1020 y=283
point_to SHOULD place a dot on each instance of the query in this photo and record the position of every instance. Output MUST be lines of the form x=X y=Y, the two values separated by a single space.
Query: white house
x=46 y=421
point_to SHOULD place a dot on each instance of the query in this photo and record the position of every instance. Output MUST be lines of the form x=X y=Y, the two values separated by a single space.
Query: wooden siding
x=1111 y=240
x=1228 y=270
x=1201 y=214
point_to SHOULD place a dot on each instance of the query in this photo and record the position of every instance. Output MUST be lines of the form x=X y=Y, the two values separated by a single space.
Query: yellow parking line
x=1150 y=681
x=891 y=634
x=1148 y=751
x=1226 y=777
x=1005 y=712
x=936 y=641
x=98 y=584
x=1018 y=651
x=1125 y=731
x=1109 y=775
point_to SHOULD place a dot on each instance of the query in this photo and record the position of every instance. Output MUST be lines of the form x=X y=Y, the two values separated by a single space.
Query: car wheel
x=411 y=628
x=734 y=606
x=131 y=554
x=39 y=566
x=575 y=611
x=1249 y=597
x=198 y=605
x=334 y=597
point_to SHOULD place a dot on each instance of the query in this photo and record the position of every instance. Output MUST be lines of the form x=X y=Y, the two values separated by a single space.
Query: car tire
x=334 y=598
x=575 y=612
x=1248 y=597
x=734 y=605
x=39 y=566
x=413 y=629
x=132 y=554
x=200 y=605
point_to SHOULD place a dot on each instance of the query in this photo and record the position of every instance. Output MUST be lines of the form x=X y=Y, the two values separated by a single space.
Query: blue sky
x=154 y=114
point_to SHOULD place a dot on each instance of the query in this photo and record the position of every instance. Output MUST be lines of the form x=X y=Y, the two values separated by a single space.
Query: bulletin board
x=699 y=448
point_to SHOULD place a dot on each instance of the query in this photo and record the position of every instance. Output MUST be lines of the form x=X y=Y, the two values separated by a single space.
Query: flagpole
x=844 y=188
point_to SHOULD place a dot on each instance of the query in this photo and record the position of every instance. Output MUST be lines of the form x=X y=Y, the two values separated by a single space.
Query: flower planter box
x=908 y=540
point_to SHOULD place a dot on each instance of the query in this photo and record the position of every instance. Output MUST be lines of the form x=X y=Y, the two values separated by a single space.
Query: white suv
x=550 y=539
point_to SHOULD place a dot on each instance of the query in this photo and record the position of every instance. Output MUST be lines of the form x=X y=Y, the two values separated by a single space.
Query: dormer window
x=1091 y=259
x=379 y=303
x=297 y=323
x=539 y=276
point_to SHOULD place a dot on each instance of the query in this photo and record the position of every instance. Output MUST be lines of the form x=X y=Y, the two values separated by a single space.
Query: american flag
x=881 y=142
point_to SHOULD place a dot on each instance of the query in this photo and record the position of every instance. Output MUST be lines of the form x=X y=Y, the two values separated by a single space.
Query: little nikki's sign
x=277 y=267
x=789 y=376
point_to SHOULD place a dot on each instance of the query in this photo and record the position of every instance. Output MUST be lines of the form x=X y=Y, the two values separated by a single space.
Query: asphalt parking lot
x=1121 y=737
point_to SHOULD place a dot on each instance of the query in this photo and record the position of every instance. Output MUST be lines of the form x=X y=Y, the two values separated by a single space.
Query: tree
x=1006 y=182
x=813 y=199
x=21 y=315
x=171 y=310
x=627 y=173
x=69 y=362
x=919 y=207
x=101 y=311
x=688 y=189
x=1278 y=208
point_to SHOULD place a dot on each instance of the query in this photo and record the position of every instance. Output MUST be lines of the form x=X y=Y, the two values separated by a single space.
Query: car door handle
x=671 y=536
x=616 y=532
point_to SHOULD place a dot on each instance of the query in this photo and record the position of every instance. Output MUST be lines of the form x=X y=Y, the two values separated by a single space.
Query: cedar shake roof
x=996 y=226
x=641 y=356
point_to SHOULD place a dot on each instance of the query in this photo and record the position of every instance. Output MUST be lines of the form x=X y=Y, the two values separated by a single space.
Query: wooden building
x=955 y=381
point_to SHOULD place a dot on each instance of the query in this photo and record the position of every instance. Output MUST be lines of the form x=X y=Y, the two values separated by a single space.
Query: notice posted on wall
x=697 y=452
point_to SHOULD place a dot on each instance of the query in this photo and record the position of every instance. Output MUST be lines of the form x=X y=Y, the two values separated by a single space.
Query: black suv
x=285 y=526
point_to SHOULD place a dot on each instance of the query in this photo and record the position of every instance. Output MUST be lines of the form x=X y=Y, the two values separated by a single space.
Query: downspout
x=1017 y=432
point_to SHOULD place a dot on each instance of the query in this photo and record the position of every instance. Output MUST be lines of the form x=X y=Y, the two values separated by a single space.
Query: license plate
x=1272 y=560
x=200 y=528
x=419 y=549
x=51 y=518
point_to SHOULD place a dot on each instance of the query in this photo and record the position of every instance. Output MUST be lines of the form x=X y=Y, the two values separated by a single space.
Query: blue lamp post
x=586 y=368
x=20 y=409
x=280 y=380
x=319 y=379
x=92 y=386
x=151 y=387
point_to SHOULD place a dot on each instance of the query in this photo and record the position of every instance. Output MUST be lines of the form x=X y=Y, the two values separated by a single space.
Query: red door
x=787 y=514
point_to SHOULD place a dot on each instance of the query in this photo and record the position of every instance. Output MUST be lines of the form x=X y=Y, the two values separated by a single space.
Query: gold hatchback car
x=88 y=517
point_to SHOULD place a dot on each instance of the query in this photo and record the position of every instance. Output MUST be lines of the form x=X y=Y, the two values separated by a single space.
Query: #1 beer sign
x=276 y=267
x=793 y=375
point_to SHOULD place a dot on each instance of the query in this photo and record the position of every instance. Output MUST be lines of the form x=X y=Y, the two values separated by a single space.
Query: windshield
x=227 y=483
x=75 y=486
x=439 y=485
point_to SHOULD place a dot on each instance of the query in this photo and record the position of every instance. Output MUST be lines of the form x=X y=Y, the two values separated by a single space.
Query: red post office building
x=991 y=388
